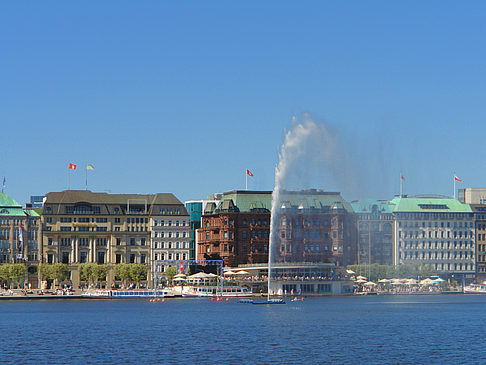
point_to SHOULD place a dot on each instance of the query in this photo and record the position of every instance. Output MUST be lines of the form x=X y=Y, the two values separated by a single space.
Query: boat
x=215 y=291
x=135 y=293
x=475 y=288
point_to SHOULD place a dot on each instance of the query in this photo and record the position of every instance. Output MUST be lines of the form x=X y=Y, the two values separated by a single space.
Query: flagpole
x=401 y=185
x=86 y=178
x=454 y=185
x=69 y=175
x=246 y=180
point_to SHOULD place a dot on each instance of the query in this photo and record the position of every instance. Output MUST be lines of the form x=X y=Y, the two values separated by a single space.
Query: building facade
x=374 y=224
x=437 y=231
x=312 y=226
x=20 y=237
x=81 y=226
x=315 y=226
x=480 y=233
x=472 y=195
x=236 y=229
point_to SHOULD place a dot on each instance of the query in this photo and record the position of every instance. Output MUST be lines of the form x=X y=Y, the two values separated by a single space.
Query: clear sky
x=183 y=96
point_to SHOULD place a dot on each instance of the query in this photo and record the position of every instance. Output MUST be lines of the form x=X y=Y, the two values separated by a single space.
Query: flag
x=457 y=179
x=72 y=166
x=21 y=242
x=248 y=172
x=403 y=178
x=89 y=167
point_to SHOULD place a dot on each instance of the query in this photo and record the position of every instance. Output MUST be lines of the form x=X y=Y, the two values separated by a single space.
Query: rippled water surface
x=375 y=330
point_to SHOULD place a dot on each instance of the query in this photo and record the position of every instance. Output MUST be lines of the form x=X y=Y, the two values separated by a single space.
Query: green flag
x=89 y=167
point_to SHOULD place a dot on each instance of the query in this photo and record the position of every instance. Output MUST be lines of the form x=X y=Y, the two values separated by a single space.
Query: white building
x=437 y=231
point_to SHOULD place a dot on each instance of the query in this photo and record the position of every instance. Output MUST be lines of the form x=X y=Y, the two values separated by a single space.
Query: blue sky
x=183 y=96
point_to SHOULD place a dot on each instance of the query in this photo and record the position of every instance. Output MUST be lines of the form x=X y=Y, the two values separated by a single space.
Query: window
x=101 y=257
x=118 y=241
x=142 y=242
x=83 y=257
x=50 y=258
x=132 y=258
x=142 y=258
x=118 y=258
x=132 y=241
x=65 y=258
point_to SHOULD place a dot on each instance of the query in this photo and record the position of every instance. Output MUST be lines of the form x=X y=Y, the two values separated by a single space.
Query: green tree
x=60 y=272
x=17 y=273
x=122 y=271
x=170 y=273
x=92 y=273
x=138 y=272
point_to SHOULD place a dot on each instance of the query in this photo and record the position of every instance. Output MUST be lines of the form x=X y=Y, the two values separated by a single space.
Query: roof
x=246 y=201
x=430 y=204
x=7 y=201
x=111 y=203
x=86 y=196
x=372 y=206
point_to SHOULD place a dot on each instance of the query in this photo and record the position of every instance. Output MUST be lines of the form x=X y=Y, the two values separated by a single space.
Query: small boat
x=135 y=293
x=475 y=288
x=215 y=291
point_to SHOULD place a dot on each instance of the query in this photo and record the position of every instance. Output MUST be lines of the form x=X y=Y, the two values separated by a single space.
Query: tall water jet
x=309 y=150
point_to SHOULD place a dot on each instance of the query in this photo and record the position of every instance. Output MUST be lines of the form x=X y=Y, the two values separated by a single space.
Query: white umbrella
x=180 y=276
x=350 y=272
x=229 y=273
x=384 y=281
x=369 y=283
x=361 y=277
x=242 y=272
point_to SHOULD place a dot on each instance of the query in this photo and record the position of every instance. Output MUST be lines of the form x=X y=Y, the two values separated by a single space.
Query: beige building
x=472 y=195
x=81 y=226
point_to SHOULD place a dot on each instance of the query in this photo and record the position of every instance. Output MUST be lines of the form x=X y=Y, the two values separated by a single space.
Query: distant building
x=14 y=218
x=374 y=223
x=236 y=229
x=472 y=195
x=480 y=232
x=36 y=201
x=312 y=226
x=195 y=209
x=435 y=230
x=81 y=226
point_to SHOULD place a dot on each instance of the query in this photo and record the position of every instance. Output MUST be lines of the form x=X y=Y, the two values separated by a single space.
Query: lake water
x=352 y=330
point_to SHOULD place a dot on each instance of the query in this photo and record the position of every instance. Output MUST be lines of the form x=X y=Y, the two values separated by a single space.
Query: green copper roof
x=430 y=204
x=246 y=201
x=6 y=201
x=367 y=206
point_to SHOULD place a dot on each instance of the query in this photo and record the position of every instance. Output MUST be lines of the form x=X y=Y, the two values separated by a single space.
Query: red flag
x=457 y=179
x=403 y=178
x=248 y=172
x=182 y=266
x=72 y=166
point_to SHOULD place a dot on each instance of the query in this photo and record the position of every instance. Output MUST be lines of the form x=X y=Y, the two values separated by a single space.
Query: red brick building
x=313 y=226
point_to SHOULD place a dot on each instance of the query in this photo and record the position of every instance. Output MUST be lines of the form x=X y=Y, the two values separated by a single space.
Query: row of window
x=168 y=223
x=171 y=245
x=170 y=234
x=454 y=224
x=436 y=234
x=437 y=245
x=170 y=256
x=466 y=255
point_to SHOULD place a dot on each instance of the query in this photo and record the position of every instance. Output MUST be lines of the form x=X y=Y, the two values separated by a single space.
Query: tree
x=122 y=271
x=17 y=273
x=60 y=272
x=170 y=273
x=91 y=272
x=138 y=272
